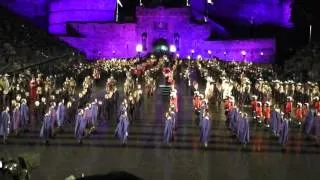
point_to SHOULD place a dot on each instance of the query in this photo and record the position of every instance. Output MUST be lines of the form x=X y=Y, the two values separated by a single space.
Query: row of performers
x=240 y=129
x=121 y=131
x=171 y=117
x=262 y=112
x=277 y=120
x=59 y=115
x=86 y=121
x=265 y=90
x=238 y=122
x=22 y=113
x=54 y=120
x=170 y=127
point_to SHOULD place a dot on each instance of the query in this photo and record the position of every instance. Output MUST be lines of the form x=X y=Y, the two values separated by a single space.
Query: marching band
x=248 y=91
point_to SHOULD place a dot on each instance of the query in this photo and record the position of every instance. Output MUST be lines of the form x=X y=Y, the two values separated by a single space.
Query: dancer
x=234 y=116
x=316 y=128
x=122 y=128
x=61 y=115
x=87 y=114
x=173 y=115
x=94 y=115
x=205 y=127
x=46 y=129
x=53 y=116
x=16 y=119
x=284 y=132
x=5 y=124
x=275 y=122
x=244 y=130
x=24 y=114
x=79 y=131
x=168 y=129
x=203 y=108
x=308 y=122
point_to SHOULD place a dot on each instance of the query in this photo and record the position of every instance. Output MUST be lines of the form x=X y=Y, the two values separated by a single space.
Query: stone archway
x=160 y=46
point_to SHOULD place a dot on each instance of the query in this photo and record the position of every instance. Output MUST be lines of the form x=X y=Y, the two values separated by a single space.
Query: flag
x=119 y=3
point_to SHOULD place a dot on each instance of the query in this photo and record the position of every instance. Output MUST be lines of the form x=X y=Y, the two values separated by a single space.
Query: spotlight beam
x=119 y=3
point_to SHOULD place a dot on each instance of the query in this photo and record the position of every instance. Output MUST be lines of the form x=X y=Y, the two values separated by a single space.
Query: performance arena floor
x=147 y=157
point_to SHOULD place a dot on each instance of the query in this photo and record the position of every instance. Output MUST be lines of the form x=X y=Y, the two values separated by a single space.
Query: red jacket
x=288 y=107
x=254 y=105
x=316 y=105
x=299 y=114
x=267 y=113
x=259 y=111
x=33 y=89
x=226 y=104
x=196 y=102
x=230 y=106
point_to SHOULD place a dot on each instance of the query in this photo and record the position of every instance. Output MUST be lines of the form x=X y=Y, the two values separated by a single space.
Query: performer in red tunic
x=259 y=112
x=254 y=105
x=226 y=105
x=318 y=106
x=267 y=114
x=288 y=107
x=33 y=89
x=230 y=104
x=299 y=113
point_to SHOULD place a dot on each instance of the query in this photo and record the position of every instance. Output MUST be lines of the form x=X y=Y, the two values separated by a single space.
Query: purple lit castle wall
x=63 y=11
x=173 y=25
x=57 y=12
x=105 y=40
x=102 y=37
x=260 y=11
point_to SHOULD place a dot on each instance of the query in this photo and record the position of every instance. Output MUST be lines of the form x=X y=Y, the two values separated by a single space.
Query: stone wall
x=174 y=25
x=105 y=40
